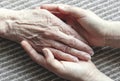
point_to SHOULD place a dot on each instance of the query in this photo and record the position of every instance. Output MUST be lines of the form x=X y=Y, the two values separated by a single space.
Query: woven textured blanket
x=16 y=65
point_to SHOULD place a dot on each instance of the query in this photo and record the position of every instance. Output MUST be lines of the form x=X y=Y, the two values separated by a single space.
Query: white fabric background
x=15 y=64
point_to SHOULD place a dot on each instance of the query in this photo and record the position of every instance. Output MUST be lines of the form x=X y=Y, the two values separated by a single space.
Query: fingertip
x=47 y=53
x=87 y=49
x=24 y=43
x=76 y=60
x=87 y=58
x=91 y=52
x=65 y=9
x=44 y=6
x=84 y=56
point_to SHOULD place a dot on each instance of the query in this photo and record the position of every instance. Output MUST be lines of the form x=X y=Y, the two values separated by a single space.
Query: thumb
x=52 y=64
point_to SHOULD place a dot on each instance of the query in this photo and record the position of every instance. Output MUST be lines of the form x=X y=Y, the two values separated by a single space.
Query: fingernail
x=45 y=51
x=75 y=60
x=92 y=53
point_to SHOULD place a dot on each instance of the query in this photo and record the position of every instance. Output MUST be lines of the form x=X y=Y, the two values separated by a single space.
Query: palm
x=87 y=27
x=72 y=69
x=64 y=69
x=90 y=26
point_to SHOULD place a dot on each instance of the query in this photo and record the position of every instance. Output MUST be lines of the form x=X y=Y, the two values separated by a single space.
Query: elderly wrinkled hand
x=42 y=29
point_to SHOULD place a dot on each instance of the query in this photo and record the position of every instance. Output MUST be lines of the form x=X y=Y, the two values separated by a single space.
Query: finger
x=63 y=56
x=65 y=9
x=60 y=15
x=78 y=28
x=32 y=53
x=80 y=54
x=48 y=54
x=50 y=7
x=69 y=50
x=54 y=11
x=53 y=64
x=70 y=41
x=72 y=22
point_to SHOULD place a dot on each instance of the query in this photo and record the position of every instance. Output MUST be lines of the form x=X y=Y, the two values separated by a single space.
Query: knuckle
x=72 y=41
x=48 y=33
x=85 y=48
x=31 y=51
x=82 y=54
x=67 y=49
x=53 y=34
x=54 y=44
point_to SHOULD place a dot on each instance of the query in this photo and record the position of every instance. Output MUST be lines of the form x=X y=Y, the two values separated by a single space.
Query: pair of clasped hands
x=58 y=37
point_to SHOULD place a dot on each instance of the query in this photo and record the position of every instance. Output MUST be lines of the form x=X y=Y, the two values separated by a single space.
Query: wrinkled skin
x=42 y=29
x=85 y=22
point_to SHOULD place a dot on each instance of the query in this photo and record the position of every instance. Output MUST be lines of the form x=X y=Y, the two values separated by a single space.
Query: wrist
x=112 y=36
x=103 y=28
x=95 y=75
x=98 y=76
x=6 y=16
x=3 y=17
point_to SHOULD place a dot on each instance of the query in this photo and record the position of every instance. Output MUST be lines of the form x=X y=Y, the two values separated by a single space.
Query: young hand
x=75 y=71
